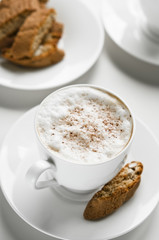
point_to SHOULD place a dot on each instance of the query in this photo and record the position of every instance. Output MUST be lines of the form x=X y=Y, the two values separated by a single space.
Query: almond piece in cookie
x=55 y=34
x=119 y=190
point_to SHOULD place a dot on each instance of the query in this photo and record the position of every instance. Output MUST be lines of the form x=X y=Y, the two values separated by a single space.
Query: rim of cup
x=113 y=94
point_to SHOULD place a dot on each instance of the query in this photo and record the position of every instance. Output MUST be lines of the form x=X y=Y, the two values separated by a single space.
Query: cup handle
x=36 y=170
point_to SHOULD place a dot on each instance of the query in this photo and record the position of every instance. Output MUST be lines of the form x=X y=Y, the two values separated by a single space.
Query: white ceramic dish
x=13 y=228
x=62 y=218
x=125 y=24
x=81 y=42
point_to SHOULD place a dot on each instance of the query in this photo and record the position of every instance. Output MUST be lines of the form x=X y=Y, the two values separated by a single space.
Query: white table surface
x=134 y=80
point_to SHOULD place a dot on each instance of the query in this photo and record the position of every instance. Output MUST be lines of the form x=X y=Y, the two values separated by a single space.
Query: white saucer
x=81 y=42
x=59 y=217
x=125 y=24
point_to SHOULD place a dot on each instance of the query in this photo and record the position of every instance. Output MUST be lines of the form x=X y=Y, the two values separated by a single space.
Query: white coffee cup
x=150 y=10
x=76 y=176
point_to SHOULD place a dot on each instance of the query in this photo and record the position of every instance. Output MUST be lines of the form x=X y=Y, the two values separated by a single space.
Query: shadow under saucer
x=132 y=48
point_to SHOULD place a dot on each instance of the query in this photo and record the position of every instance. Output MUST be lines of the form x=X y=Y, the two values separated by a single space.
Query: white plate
x=125 y=24
x=81 y=42
x=56 y=216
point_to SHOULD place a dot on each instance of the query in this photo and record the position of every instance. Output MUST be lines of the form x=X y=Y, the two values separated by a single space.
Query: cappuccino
x=84 y=124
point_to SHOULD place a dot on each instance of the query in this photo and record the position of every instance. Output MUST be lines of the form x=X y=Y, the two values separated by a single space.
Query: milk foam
x=84 y=125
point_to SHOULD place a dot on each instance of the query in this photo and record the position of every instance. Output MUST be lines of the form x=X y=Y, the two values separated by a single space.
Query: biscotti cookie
x=13 y=14
x=46 y=54
x=31 y=33
x=115 y=193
